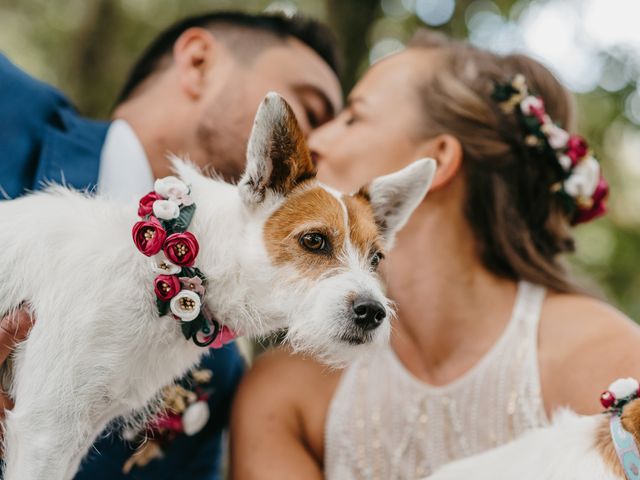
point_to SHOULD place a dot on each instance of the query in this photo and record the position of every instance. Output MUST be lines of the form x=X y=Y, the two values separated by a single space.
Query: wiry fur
x=566 y=450
x=98 y=349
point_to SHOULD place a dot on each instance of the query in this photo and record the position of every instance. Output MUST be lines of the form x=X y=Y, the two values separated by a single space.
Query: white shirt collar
x=124 y=172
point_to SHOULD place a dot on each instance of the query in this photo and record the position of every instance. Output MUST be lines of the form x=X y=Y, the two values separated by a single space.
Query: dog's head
x=312 y=253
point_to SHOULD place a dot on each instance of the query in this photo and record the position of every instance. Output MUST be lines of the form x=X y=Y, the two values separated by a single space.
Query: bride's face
x=378 y=131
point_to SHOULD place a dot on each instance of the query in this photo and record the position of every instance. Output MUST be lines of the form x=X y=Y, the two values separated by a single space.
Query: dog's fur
x=99 y=350
x=573 y=447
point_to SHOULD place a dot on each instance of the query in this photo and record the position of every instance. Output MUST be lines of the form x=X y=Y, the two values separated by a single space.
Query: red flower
x=167 y=421
x=576 y=148
x=598 y=207
x=167 y=286
x=181 y=249
x=148 y=235
x=607 y=399
x=146 y=204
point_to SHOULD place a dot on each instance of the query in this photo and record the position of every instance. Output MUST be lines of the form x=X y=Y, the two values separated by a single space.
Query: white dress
x=383 y=423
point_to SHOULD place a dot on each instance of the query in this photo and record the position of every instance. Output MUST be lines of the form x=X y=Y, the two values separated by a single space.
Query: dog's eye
x=376 y=258
x=314 y=242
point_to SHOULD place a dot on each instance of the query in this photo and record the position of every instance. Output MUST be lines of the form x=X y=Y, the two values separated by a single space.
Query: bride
x=492 y=335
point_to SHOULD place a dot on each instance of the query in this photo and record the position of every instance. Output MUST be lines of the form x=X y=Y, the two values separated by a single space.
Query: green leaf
x=503 y=92
x=532 y=124
x=167 y=225
x=163 y=307
x=181 y=224
x=187 y=330
x=198 y=272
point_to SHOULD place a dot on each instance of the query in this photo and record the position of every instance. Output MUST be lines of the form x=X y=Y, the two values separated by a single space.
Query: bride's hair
x=520 y=227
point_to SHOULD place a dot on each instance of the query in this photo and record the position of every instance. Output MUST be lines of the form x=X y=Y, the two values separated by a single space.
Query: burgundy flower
x=166 y=286
x=148 y=235
x=576 y=148
x=170 y=421
x=598 y=207
x=607 y=399
x=181 y=249
x=146 y=203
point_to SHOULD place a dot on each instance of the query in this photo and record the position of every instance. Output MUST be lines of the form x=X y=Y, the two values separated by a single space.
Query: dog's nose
x=368 y=313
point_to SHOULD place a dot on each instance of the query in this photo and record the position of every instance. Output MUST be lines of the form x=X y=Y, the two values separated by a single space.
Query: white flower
x=185 y=200
x=166 y=209
x=565 y=162
x=160 y=264
x=186 y=305
x=520 y=84
x=195 y=417
x=584 y=179
x=531 y=102
x=170 y=187
x=557 y=137
x=623 y=387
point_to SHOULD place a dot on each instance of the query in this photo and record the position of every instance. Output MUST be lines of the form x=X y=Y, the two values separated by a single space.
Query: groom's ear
x=278 y=158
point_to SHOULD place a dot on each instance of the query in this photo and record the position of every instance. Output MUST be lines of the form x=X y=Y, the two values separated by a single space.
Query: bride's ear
x=447 y=152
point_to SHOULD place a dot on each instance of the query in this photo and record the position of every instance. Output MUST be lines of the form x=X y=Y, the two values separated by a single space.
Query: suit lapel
x=71 y=152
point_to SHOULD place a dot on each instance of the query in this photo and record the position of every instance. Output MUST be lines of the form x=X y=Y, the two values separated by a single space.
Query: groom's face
x=293 y=70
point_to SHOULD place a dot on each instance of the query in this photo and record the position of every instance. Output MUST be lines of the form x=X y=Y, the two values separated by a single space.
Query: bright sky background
x=587 y=43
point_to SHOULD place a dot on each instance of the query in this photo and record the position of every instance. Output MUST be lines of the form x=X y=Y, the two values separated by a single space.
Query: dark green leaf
x=163 y=307
x=167 y=225
x=198 y=272
x=187 y=330
x=181 y=224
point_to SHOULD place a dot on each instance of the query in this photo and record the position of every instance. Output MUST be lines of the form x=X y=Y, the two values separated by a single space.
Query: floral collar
x=162 y=235
x=620 y=393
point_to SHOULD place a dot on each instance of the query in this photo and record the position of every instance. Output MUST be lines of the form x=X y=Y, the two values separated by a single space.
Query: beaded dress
x=383 y=423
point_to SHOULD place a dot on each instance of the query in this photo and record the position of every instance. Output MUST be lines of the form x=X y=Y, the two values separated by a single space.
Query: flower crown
x=581 y=185
x=180 y=286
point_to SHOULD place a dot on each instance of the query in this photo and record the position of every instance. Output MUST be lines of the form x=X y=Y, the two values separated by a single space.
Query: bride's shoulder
x=583 y=316
x=584 y=345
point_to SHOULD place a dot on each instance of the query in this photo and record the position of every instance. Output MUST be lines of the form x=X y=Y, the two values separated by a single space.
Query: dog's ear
x=394 y=197
x=277 y=155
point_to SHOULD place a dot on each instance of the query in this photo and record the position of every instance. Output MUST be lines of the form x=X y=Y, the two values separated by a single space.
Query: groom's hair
x=246 y=35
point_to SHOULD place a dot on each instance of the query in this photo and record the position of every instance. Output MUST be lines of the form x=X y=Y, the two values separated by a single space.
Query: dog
x=573 y=447
x=279 y=250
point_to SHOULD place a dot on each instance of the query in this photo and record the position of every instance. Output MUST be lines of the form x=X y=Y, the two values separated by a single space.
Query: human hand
x=14 y=328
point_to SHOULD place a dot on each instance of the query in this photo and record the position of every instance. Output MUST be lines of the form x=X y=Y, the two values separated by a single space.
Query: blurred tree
x=351 y=20
x=86 y=47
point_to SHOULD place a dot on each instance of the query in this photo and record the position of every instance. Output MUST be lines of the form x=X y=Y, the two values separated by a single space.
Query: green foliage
x=163 y=307
x=180 y=224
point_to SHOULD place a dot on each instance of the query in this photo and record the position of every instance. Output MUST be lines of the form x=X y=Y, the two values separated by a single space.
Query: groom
x=194 y=91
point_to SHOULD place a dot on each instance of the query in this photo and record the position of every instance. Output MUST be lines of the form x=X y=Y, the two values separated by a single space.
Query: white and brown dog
x=573 y=447
x=279 y=250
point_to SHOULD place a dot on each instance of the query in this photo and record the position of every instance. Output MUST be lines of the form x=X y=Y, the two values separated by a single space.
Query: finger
x=5 y=404
x=17 y=324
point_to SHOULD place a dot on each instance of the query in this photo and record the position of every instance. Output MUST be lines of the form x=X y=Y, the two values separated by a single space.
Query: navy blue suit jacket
x=43 y=139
